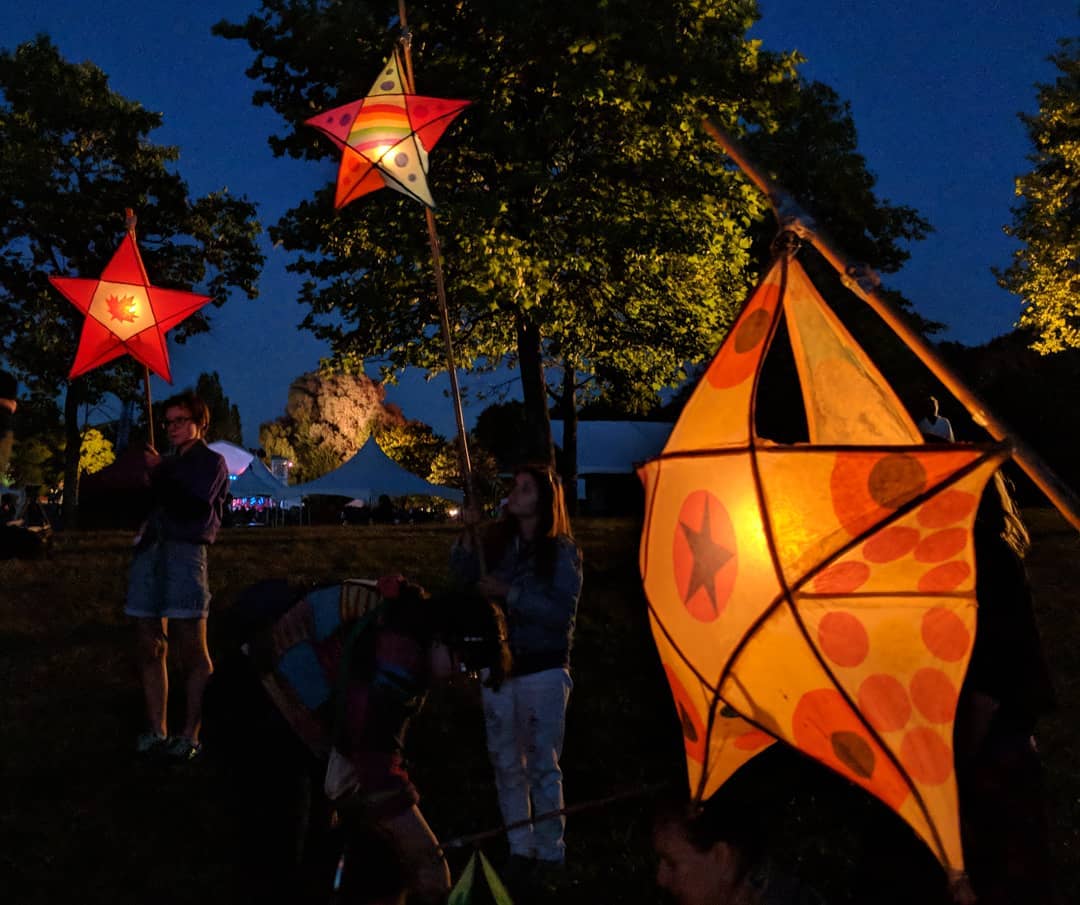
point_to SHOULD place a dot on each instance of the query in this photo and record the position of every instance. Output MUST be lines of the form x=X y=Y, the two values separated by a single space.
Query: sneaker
x=181 y=749
x=149 y=743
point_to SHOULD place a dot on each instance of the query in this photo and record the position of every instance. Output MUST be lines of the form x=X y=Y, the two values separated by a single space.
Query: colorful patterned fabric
x=385 y=137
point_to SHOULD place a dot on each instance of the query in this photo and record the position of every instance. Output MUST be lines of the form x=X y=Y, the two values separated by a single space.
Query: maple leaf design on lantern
x=123 y=308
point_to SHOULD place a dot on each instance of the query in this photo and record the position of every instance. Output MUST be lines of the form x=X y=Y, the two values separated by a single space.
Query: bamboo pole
x=472 y=530
x=440 y=291
x=861 y=281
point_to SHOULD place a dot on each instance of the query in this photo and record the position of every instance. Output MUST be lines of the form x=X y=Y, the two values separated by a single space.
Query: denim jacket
x=540 y=613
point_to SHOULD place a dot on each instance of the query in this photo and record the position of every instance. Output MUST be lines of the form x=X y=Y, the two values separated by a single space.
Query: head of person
x=704 y=854
x=186 y=419
x=536 y=498
x=930 y=408
x=458 y=629
x=473 y=630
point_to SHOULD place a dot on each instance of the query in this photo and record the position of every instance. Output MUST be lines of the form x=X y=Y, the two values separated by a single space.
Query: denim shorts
x=168 y=580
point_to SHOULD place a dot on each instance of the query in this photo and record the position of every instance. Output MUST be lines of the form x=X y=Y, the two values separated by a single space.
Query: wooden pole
x=440 y=290
x=861 y=281
x=444 y=319
x=130 y=221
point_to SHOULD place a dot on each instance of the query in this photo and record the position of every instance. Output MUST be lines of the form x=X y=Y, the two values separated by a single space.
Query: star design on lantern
x=385 y=138
x=125 y=313
x=709 y=558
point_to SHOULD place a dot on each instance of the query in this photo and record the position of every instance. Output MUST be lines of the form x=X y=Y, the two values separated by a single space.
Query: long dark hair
x=552 y=521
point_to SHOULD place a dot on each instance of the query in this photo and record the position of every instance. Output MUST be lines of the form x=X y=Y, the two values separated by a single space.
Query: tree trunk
x=538 y=445
x=568 y=404
x=69 y=513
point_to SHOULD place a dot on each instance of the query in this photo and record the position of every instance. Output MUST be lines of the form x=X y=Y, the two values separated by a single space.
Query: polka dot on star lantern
x=884 y=702
x=947 y=508
x=934 y=695
x=944 y=634
x=926 y=756
x=825 y=728
x=941 y=545
x=891 y=543
x=866 y=489
x=754 y=740
x=841 y=578
x=946 y=577
x=843 y=638
x=693 y=727
x=738 y=359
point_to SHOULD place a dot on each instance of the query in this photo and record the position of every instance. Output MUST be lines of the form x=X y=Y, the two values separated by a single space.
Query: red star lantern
x=124 y=313
x=385 y=138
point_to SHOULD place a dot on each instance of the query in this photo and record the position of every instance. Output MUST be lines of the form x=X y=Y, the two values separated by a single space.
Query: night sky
x=934 y=87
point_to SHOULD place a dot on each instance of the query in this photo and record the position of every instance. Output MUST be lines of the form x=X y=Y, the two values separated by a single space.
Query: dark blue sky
x=934 y=87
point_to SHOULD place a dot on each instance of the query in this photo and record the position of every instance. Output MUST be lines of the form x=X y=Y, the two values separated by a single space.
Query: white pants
x=525 y=721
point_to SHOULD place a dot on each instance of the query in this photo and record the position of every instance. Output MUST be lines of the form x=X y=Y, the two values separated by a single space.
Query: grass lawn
x=80 y=823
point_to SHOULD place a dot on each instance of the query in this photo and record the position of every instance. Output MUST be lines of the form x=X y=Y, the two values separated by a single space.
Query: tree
x=500 y=429
x=580 y=182
x=412 y=444
x=1045 y=271
x=224 y=417
x=328 y=416
x=587 y=223
x=95 y=451
x=73 y=155
x=38 y=458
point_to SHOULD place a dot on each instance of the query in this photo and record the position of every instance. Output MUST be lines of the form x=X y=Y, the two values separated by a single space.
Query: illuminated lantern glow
x=385 y=138
x=820 y=594
x=125 y=314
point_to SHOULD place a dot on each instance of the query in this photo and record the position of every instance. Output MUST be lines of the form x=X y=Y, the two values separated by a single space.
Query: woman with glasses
x=168 y=592
x=534 y=571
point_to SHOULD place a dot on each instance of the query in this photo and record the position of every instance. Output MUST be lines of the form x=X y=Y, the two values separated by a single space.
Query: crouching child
x=347 y=667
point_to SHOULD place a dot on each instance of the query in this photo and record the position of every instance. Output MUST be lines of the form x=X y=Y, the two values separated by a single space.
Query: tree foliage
x=500 y=429
x=412 y=444
x=38 y=453
x=95 y=451
x=587 y=222
x=1045 y=271
x=73 y=155
x=578 y=198
x=224 y=416
x=328 y=417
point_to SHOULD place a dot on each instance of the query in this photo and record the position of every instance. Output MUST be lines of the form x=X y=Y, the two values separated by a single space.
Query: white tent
x=236 y=458
x=257 y=481
x=368 y=475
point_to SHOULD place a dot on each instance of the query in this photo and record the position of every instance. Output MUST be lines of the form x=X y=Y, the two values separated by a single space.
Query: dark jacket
x=189 y=491
x=540 y=612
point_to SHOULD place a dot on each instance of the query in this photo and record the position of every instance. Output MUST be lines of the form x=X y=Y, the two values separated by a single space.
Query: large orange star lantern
x=385 y=138
x=819 y=594
x=124 y=313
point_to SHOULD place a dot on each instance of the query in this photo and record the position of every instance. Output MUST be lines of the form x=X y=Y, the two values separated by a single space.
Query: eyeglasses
x=175 y=422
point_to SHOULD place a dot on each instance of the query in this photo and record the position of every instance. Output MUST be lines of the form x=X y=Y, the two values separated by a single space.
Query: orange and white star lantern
x=385 y=137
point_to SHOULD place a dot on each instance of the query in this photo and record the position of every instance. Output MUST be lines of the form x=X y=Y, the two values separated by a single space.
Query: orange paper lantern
x=818 y=594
